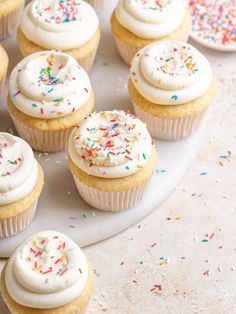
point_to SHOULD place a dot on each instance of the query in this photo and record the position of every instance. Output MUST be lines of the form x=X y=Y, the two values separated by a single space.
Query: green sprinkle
x=34 y=105
x=144 y=156
x=205 y=240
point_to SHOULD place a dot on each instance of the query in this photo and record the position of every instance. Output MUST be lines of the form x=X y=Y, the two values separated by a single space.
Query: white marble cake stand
x=60 y=206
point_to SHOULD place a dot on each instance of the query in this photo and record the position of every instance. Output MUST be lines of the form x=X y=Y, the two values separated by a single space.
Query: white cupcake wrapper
x=169 y=129
x=43 y=141
x=127 y=51
x=88 y=61
x=9 y=22
x=110 y=201
x=13 y=225
x=97 y=4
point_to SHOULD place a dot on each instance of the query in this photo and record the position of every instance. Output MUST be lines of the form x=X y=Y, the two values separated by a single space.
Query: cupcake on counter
x=97 y=4
x=70 y=26
x=21 y=183
x=10 y=12
x=112 y=158
x=138 y=23
x=171 y=85
x=3 y=67
x=47 y=274
x=49 y=93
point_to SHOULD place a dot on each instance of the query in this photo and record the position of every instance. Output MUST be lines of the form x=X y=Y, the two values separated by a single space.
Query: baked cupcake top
x=170 y=73
x=49 y=85
x=150 y=18
x=110 y=144
x=18 y=169
x=56 y=24
x=48 y=270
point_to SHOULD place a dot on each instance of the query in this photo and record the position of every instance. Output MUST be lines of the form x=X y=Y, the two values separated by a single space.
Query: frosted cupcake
x=97 y=4
x=138 y=23
x=47 y=274
x=10 y=11
x=49 y=93
x=70 y=26
x=21 y=183
x=112 y=158
x=171 y=86
x=3 y=67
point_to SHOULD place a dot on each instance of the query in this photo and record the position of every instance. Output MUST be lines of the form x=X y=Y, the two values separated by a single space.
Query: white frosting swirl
x=48 y=270
x=61 y=25
x=49 y=85
x=18 y=169
x=150 y=19
x=110 y=144
x=170 y=73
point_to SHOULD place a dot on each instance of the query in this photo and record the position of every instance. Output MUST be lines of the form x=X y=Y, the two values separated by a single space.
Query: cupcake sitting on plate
x=70 y=26
x=112 y=158
x=138 y=23
x=49 y=93
x=10 y=11
x=47 y=274
x=21 y=183
x=171 y=85
x=3 y=67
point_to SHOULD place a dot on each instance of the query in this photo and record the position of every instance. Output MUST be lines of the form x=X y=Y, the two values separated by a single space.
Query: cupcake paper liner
x=97 y=4
x=9 y=22
x=87 y=61
x=127 y=51
x=110 y=201
x=15 y=224
x=169 y=129
x=2 y=84
x=43 y=141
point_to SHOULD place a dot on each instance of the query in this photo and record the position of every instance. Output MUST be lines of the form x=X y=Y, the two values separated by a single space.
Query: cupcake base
x=171 y=122
x=10 y=20
x=128 y=44
x=116 y=194
x=169 y=129
x=48 y=135
x=97 y=4
x=110 y=201
x=3 y=68
x=78 y=306
x=15 y=217
x=85 y=55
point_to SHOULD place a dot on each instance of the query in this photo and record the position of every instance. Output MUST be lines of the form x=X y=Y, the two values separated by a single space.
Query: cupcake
x=171 y=86
x=3 y=67
x=138 y=23
x=49 y=93
x=21 y=183
x=97 y=4
x=10 y=11
x=112 y=158
x=70 y=26
x=47 y=274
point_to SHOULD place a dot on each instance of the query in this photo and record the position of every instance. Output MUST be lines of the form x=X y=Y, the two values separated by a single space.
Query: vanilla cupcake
x=112 y=158
x=47 y=274
x=68 y=26
x=21 y=183
x=138 y=23
x=171 y=86
x=10 y=11
x=97 y=4
x=49 y=93
x=3 y=67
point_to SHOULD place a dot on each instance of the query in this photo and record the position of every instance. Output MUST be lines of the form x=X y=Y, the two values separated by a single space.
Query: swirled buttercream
x=170 y=73
x=18 y=169
x=110 y=144
x=150 y=19
x=49 y=85
x=61 y=25
x=48 y=270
